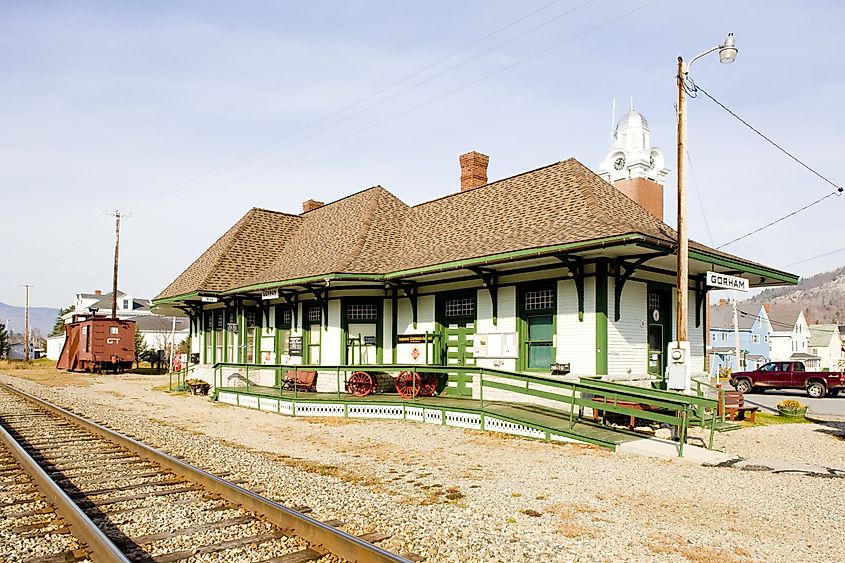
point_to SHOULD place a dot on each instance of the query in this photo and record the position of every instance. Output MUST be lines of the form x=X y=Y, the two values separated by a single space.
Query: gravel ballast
x=458 y=495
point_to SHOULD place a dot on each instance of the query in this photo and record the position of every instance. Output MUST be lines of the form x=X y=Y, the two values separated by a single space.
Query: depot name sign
x=724 y=281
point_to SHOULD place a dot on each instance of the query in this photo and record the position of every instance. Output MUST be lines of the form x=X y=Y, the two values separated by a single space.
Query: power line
x=438 y=97
x=255 y=153
x=695 y=88
x=776 y=221
x=692 y=89
x=814 y=257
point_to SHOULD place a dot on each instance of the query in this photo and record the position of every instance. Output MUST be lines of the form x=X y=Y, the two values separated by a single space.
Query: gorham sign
x=725 y=281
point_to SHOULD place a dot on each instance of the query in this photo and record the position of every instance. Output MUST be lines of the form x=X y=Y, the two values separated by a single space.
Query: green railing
x=717 y=389
x=675 y=409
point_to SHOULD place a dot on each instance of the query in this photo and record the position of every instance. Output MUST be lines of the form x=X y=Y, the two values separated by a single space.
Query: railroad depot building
x=550 y=266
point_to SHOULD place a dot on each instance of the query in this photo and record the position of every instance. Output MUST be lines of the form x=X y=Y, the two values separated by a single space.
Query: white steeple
x=631 y=155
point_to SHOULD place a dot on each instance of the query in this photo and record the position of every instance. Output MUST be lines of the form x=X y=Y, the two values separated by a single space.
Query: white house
x=826 y=343
x=790 y=338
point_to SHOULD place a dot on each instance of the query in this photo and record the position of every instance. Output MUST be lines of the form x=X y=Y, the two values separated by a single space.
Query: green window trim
x=361 y=310
x=537 y=326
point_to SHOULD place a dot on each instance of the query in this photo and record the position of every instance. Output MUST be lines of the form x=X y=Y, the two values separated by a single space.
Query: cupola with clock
x=634 y=166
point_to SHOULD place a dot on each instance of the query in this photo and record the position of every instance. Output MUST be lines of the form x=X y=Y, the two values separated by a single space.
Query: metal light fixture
x=727 y=51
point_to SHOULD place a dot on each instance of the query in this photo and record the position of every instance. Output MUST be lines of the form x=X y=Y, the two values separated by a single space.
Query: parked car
x=789 y=375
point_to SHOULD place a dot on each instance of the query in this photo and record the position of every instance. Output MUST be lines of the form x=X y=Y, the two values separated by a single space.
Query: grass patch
x=768 y=419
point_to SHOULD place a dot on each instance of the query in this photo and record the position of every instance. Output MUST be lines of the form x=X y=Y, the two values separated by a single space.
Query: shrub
x=790 y=405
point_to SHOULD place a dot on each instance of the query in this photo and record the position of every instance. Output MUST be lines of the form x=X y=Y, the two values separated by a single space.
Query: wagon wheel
x=408 y=384
x=361 y=384
x=428 y=385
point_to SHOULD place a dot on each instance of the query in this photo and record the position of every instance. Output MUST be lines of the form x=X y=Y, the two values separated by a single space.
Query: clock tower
x=635 y=167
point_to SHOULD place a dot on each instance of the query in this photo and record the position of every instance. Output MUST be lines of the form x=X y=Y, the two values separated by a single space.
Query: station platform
x=521 y=419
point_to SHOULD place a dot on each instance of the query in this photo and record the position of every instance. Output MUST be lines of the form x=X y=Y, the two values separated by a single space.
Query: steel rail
x=322 y=537
x=100 y=547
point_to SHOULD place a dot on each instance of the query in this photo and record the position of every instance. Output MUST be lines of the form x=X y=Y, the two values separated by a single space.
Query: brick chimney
x=311 y=205
x=473 y=170
x=98 y=292
x=648 y=193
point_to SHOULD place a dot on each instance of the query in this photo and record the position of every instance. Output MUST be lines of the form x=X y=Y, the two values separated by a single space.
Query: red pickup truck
x=789 y=375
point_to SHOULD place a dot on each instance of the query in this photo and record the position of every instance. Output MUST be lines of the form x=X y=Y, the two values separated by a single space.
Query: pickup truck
x=789 y=375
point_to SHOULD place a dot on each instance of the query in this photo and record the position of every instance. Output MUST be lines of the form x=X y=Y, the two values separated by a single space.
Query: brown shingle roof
x=253 y=242
x=373 y=232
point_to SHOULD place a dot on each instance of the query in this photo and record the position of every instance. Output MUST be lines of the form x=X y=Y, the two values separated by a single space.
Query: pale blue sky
x=137 y=105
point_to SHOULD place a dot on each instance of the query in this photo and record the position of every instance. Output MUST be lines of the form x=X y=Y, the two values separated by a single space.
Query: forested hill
x=821 y=297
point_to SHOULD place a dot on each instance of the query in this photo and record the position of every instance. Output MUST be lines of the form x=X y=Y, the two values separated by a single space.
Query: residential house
x=790 y=337
x=754 y=329
x=826 y=343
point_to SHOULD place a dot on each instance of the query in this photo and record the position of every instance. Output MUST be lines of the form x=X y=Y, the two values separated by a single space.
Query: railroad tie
x=222 y=546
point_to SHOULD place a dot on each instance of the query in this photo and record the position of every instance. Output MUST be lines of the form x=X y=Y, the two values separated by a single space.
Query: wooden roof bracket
x=411 y=291
x=194 y=312
x=292 y=299
x=701 y=290
x=490 y=279
x=321 y=294
x=575 y=265
x=622 y=273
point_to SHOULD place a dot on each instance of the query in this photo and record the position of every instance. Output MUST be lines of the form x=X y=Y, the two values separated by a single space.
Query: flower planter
x=797 y=413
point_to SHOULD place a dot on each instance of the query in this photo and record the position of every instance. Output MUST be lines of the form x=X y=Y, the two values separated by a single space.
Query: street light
x=727 y=55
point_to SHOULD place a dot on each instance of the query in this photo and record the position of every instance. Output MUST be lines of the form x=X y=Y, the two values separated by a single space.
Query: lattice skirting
x=426 y=415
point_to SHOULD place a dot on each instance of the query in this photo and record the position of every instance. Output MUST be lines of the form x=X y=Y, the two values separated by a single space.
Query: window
x=209 y=338
x=460 y=307
x=314 y=318
x=125 y=303
x=538 y=333
x=113 y=330
x=362 y=312
x=219 y=336
x=315 y=314
x=283 y=328
x=231 y=336
x=724 y=336
x=251 y=322
x=537 y=300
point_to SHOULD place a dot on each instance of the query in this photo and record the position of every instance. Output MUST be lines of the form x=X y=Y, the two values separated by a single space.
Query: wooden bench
x=629 y=404
x=300 y=379
x=735 y=406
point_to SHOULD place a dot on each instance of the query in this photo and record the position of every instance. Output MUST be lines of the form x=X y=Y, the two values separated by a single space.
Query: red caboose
x=98 y=344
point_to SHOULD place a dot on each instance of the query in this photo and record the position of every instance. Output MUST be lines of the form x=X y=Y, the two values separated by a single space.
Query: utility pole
x=172 y=343
x=736 y=334
x=683 y=243
x=26 y=322
x=116 y=253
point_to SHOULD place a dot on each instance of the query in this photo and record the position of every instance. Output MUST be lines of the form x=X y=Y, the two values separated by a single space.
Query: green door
x=659 y=328
x=457 y=319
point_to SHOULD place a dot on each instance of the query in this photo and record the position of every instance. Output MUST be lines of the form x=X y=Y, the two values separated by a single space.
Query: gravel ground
x=457 y=495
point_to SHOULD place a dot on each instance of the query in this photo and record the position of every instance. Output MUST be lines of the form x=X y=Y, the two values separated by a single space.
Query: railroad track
x=96 y=494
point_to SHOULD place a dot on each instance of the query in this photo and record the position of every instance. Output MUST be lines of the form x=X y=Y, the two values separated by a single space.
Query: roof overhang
x=660 y=255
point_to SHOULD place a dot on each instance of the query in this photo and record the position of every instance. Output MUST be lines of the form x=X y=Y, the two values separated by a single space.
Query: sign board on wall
x=232 y=327
x=369 y=341
x=295 y=346
x=414 y=338
x=724 y=281
x=207 y=299
x=270 y=294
